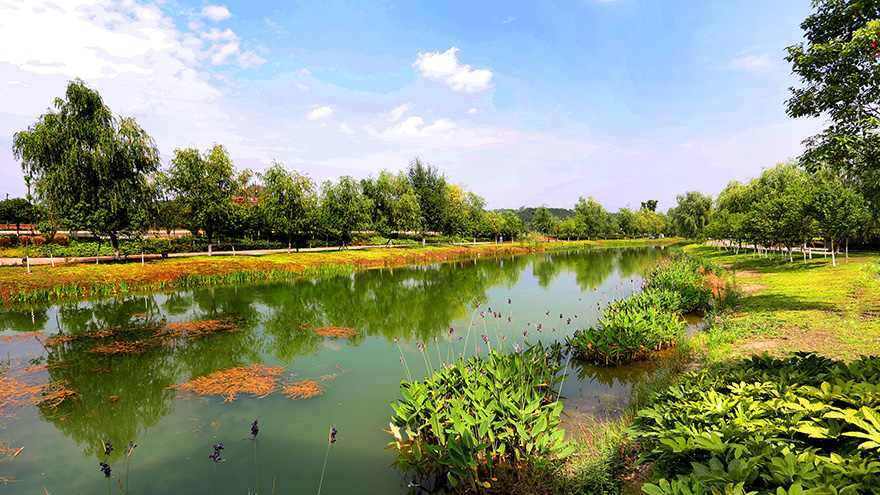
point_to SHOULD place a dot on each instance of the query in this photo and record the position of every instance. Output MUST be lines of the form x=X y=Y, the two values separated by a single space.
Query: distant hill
x=525 y=214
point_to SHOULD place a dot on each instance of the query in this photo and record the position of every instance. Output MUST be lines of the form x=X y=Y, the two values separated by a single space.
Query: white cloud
x=302 y=87
x=508 y=20
x=398 y=112
x=474 y=111
x=750 y=63
x=216 y=12
x=319 y=113
x=445 y=67
x=346 y=129
x=414 y=127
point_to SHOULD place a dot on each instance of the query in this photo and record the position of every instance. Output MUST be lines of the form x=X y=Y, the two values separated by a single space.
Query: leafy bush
x=686 y=275
x=482 y=422
x=5 y=241
x=60 y=240
x=803 y=424
x=631 y=331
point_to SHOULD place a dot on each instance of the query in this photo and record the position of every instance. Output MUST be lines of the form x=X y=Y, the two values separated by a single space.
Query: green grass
x=799 y=307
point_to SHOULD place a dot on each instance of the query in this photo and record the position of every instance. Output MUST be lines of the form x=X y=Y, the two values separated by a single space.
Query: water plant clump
x=687 y=275
x=627 y=334
x=484 y=422
x=801 y=424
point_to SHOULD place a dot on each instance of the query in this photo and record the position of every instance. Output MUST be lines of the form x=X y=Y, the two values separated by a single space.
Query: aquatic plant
x=626 y=334
x=483 y=420
x=215 y=456
x=685 y=275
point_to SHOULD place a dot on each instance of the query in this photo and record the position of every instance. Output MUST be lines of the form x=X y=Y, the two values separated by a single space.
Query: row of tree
x=788 y=207
x=95 y=172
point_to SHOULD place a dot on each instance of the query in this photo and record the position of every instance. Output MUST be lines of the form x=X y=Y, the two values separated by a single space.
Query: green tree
x=692 y=213
x=88 y=167
x=395 y=204
x=430 y=188
x=17 y=211
x=839 y=66
x=344 y=208
x=543 y=221
x=493 y=224
x=650 y=205
x=205 y=186
x=627 y=222
x=593 y=217
x=288 y=200
x=839 y=211
x=513 y=225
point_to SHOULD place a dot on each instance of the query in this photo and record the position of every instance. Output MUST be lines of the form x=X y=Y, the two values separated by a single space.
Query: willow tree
x=288 y=202
x=204 y=186
x=87 y=167
x=395 y=204
x=344 y=208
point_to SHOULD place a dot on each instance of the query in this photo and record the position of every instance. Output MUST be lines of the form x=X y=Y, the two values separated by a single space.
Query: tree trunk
x=833 y=259
x=114 y=241
x=210 y=250
x=847 y=249
x=289 y=236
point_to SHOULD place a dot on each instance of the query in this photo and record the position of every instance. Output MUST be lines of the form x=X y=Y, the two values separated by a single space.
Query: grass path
x=801 y=307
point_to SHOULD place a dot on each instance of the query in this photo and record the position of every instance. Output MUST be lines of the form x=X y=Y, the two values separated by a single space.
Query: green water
x=131 y=397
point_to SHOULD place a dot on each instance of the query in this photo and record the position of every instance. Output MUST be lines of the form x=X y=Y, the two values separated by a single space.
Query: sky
x=524 y=102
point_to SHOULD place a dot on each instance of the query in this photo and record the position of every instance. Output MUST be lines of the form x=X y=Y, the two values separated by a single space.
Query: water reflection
x=122 y=397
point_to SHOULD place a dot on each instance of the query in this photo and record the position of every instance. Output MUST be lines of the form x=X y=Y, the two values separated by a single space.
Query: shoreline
x=84 y=279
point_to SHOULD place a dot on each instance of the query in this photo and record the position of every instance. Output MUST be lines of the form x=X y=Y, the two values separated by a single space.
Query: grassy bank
x=46 y=283
x=784 y=307
x=789 y=307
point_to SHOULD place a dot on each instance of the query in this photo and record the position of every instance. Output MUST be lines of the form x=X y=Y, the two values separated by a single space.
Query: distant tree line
x=89 y=170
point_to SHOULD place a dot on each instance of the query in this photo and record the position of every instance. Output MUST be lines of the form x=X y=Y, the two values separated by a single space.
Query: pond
x=137 y=362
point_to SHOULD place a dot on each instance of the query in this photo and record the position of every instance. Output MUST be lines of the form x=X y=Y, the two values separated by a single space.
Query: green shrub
x=684 y=274
x=483 y=422
x=803 y=424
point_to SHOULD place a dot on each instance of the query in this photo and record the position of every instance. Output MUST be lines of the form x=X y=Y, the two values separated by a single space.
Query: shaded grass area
x=798 y=307
x=46 y=283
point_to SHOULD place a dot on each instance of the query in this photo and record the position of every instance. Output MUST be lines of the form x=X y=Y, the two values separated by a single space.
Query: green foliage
x=685 y=275
x=395 y=204
x=803 y=424
x=17 y=211
x=100 y=183
x=204 y=186
x=593 y=217
x=692 y=213
x=344 y=209
x=630 y=330
x=288 y=202
x=543 y=221
x=429 y=186
x=839 y=67
x=483 y=421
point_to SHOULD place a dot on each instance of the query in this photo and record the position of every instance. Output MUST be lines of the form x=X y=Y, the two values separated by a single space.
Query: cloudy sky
x=527 y=103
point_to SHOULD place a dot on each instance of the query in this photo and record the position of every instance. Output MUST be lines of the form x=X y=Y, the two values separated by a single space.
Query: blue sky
x=526 y=103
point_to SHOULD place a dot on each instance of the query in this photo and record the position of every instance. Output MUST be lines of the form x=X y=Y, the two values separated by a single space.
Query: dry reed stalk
x=256 y=380
x=304 y=389
x=336 y=332
x=22 y=336
x=124 y=347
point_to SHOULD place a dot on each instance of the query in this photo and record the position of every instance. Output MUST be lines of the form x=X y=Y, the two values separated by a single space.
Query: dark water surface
x=131 y=397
